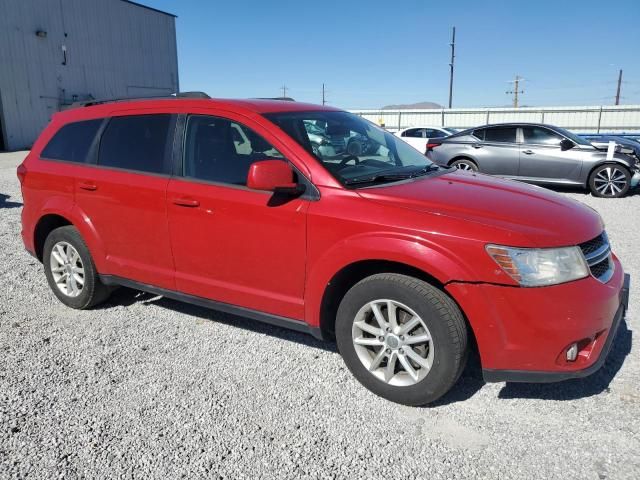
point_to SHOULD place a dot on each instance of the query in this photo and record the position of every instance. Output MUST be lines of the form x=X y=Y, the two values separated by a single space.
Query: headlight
x=536 y=267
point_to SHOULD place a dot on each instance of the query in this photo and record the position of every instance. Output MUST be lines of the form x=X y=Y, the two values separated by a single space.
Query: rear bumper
x=523 y=333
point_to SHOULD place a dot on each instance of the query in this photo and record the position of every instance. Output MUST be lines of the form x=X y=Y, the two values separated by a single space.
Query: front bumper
x=523 y=333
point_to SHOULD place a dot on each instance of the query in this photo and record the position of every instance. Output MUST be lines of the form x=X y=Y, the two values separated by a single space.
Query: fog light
x=572 y=352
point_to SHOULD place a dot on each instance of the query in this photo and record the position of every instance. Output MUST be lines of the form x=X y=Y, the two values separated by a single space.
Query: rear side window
x=137 y=142
x=72 y=142
x=500 y=134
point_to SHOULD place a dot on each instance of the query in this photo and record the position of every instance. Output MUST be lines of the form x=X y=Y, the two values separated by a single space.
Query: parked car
x=418 y=137
x=537 y=153
x=223 y=204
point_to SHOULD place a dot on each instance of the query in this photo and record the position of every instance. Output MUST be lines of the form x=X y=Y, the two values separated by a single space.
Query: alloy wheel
x=393 y=342
x=464 y=166
x=67 y=269
x=610 y=181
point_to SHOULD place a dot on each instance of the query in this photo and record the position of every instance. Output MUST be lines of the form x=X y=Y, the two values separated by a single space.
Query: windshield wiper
x=391 y=177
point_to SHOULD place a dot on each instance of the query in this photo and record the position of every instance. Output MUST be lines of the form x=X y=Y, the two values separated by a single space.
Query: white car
x=418 y=137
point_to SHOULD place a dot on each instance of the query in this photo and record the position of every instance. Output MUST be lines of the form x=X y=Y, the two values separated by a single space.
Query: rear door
x=542 y=158
x=122 y=197
x=497 y=151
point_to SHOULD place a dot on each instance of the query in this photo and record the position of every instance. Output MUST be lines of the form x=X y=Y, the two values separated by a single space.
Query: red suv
x=314 y=219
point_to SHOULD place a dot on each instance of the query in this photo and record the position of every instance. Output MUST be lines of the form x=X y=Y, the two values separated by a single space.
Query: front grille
x=597 y=253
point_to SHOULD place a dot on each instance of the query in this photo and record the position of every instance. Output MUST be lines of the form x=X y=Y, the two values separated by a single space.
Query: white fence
x=600 y=119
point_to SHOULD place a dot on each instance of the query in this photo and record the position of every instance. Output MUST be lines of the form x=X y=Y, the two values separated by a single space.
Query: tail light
x=22 y=172
x=432 y=145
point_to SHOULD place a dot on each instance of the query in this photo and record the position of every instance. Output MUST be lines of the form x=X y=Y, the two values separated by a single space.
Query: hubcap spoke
x=407 y=367
x=410 y=325
x=379 y=316
x=422 y=338
x=378 y=359
x=423 y=362
x=365 y=327
x=372 y=342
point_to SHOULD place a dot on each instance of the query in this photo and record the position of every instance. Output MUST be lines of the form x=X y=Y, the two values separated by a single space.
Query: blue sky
x=373 y=53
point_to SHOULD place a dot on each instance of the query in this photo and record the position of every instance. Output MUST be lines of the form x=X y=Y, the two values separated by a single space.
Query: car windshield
x=572 y=136
x=354 y=150
x=451 y=130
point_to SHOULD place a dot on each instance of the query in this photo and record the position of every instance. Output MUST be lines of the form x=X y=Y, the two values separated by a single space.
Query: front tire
x=402 y=338
x=70 y=271
x=609 y=181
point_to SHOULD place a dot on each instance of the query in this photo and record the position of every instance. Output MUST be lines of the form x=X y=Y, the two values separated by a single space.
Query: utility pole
x=453 y=56
x=515 y=92
x=323 y=97
x=284 y=91
x=619 y=87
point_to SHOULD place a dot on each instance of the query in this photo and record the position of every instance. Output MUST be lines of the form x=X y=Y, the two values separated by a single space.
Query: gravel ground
x=152 y=388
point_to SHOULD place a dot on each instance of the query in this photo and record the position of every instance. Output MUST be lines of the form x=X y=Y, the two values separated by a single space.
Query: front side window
x=72 y=142
x=541 y=136
x=219 y=150
x=500 y=134
x=355 y=151
x=136 y=142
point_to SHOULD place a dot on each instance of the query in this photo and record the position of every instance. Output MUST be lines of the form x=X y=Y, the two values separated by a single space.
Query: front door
x=230 y=243
x=542 y=158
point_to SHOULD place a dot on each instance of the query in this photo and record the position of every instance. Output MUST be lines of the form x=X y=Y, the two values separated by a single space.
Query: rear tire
x=465 y=165
x=70 y=270
x=397 y=362
x=609 y=181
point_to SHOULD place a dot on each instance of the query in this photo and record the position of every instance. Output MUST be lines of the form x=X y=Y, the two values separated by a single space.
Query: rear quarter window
x=72 y=142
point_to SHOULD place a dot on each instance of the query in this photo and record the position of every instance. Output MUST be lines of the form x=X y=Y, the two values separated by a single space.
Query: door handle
x=88 y=186
x=186 y=202
x=475 y=145
x=528 y=152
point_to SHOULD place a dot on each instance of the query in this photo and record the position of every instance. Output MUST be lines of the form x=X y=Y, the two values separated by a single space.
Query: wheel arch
x=351 y=274
x=45 y=225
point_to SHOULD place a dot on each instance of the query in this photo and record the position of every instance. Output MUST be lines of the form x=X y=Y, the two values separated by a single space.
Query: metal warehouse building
x=56 y=52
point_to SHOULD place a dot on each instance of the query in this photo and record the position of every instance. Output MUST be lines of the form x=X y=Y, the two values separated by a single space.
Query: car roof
x=251 y=105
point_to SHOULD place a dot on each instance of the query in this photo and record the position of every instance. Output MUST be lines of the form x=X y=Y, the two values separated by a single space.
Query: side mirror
x=273 y=176
x=566 y=144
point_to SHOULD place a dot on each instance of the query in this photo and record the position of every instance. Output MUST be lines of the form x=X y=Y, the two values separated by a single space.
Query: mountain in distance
x=419 y=105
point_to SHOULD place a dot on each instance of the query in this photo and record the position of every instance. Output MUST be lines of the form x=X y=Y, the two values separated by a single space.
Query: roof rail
x=286 y=99
x=92 y=102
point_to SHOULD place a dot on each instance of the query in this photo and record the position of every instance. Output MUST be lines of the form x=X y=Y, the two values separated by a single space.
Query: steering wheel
x=347 y=159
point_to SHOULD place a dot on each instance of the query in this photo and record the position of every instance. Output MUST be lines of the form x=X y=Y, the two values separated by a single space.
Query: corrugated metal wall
x=623 y=118
x=113 y=48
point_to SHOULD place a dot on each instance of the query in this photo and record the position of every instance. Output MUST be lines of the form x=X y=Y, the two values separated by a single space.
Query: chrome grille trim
x=596 y=252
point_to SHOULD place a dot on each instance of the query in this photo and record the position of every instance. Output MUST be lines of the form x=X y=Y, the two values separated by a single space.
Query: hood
x=538 y=216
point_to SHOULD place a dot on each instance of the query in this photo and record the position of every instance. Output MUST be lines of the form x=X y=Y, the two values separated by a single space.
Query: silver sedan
x=539 y=153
